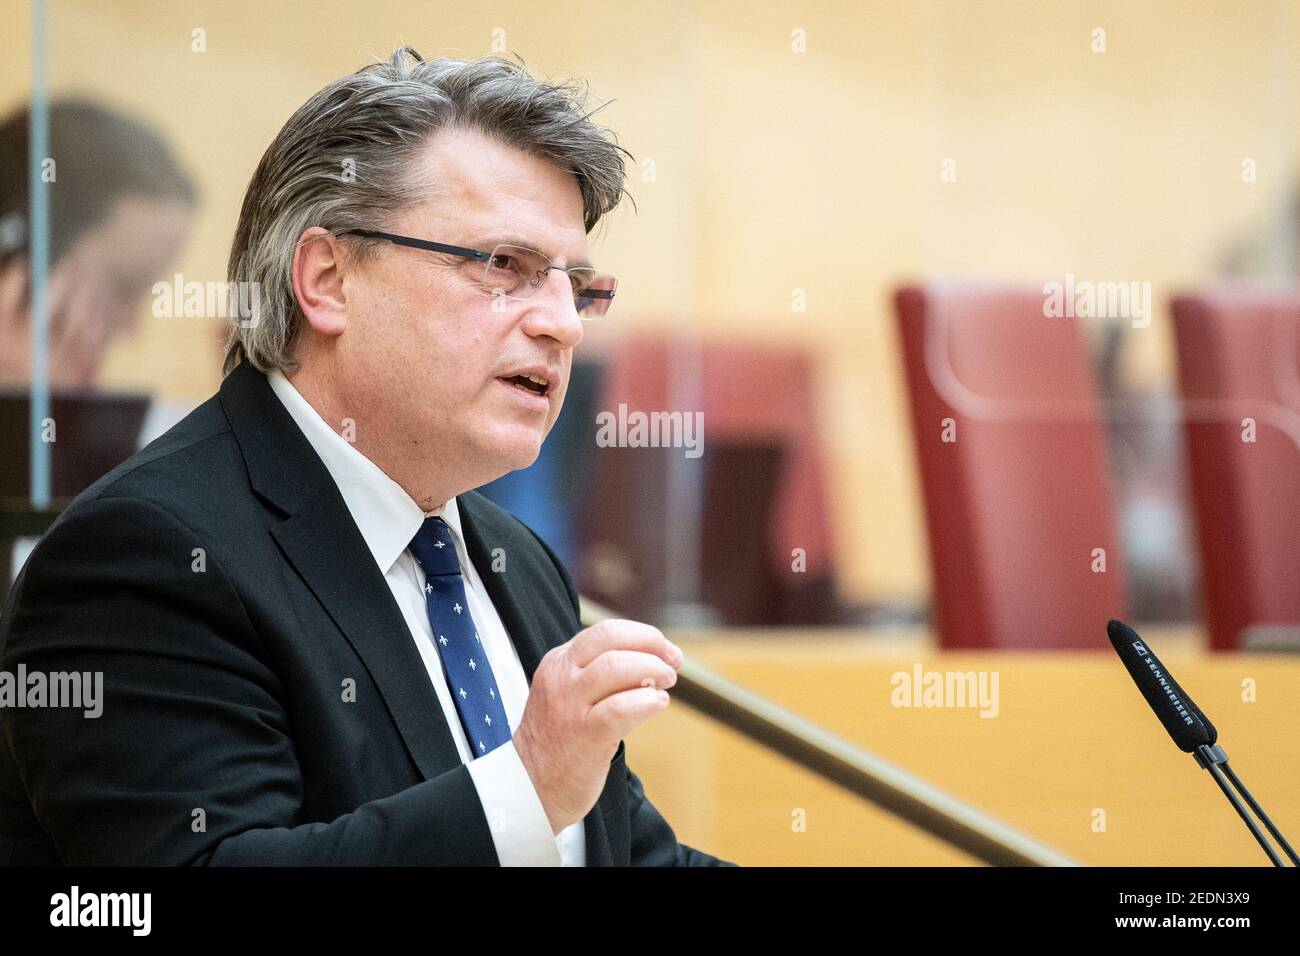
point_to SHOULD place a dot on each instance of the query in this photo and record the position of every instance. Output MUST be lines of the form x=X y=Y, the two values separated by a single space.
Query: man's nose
x=552 y=311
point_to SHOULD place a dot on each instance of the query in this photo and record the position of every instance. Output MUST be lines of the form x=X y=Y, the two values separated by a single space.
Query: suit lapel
x=324 y=545
x=320 y=539
x=509 y=595
x=322 y=542
x=511 y=601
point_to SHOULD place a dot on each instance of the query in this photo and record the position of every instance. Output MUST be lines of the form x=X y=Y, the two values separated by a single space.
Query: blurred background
x=970 y=327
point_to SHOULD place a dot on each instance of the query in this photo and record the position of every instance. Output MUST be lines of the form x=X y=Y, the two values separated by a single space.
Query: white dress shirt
x=388 y=519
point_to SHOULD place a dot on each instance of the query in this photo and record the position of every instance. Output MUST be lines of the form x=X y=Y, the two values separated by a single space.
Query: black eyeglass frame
x=466 y=253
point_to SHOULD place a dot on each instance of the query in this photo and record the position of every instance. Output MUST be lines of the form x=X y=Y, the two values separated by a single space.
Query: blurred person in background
x=120 y=207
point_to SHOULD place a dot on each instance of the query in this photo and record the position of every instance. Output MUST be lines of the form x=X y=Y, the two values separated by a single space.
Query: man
x=318 y=645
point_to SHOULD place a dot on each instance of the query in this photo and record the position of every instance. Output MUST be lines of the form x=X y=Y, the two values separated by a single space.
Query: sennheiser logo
x=1167 y=687
x=1137 y=646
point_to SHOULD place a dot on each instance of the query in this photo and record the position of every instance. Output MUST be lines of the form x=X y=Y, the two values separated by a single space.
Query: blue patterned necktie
x=464 y=660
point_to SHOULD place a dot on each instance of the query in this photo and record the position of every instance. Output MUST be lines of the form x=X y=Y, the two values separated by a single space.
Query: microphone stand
x=1212 y=757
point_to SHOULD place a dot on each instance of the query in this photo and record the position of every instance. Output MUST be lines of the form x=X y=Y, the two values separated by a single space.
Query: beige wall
x=776 y=170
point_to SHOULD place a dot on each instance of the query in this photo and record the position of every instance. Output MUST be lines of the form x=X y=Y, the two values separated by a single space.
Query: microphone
x=1183 y=719
x=1190 y=728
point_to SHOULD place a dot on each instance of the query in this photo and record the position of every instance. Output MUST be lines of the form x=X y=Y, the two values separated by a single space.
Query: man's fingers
x=618 y=670
x=622 y=712
x=587 y=645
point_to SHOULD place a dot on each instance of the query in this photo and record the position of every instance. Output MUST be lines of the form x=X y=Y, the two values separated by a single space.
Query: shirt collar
x=385 y=514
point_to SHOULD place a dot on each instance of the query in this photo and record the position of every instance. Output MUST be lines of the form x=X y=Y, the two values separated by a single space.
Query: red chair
x=761 y=483
x=1238 y=359
x=1017 y=504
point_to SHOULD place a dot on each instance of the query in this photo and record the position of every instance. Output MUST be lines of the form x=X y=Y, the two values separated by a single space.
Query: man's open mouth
x=536 y=384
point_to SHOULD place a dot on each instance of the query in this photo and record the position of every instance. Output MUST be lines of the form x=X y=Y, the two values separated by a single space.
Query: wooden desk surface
x=1072 y=754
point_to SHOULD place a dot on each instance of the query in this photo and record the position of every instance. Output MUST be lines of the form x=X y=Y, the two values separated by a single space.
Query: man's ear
x=318 y=267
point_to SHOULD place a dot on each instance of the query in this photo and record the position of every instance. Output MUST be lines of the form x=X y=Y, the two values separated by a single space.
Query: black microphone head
x=1182 y=718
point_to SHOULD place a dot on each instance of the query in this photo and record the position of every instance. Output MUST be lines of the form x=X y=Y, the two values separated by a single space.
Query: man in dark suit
x=317 y=644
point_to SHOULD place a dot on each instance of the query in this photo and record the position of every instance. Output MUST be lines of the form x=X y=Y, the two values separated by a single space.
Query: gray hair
x=346 y=158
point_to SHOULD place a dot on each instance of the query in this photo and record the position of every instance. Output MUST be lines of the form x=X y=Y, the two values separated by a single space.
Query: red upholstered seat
x=759 y=410
x=1238 y=359
x=1018 y=503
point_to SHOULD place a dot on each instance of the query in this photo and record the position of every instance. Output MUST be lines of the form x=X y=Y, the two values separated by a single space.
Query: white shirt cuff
x=520 y=829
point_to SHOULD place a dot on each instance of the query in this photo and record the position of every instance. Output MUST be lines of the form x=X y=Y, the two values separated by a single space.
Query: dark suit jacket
x=225 y=737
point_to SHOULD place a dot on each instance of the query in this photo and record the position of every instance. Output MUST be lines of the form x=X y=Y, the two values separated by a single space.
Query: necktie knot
x=434 y=548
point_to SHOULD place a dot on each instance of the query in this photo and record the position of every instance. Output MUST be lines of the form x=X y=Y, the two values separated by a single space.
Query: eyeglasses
x=516 y=272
